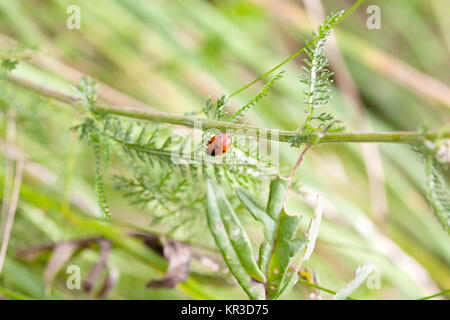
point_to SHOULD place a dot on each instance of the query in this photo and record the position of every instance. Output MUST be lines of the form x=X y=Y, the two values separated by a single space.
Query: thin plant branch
x=344 y=81
x=402 y=137
x=442 y=293
x=293 y=172
x=312 y=285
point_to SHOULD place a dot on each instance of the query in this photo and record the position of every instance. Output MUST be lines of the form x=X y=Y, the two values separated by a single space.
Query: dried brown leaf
x=61 y=254
x=109 y=283
x=96 y=270
x=179 y=256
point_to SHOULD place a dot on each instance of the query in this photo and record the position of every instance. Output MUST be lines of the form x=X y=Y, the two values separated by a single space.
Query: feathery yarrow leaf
x=317 y=79
x=437 y=193
x=216 y=110
x=262 y=94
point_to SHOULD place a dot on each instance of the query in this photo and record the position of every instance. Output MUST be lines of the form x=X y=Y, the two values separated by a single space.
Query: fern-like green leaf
x=7 y=65
x=437 y=193
x=262 y=94
x=317 y=76
x=317 y=79
x=87 y=90
x=101 y=199
x=216 y=110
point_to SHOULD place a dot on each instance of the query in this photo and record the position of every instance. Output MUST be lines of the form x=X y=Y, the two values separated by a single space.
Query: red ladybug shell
x=218 y=144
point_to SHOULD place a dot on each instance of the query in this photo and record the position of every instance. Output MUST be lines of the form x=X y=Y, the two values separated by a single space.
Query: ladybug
x=218 y=144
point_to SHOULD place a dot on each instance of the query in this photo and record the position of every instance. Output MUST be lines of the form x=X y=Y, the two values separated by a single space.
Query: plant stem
x=312 y=285
x=299 y=161
x=293 y=172
x=405 y=137
x=442 y=293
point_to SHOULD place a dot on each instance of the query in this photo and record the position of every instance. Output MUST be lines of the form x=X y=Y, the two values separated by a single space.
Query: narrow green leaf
x=278 y=189
x=289 y=283
x=280 y=244
x=252 y=205
x=233 y=242
x=313 y=230
x=237 y=235
x=286 y=247
x=259 y=214
x=311 y=237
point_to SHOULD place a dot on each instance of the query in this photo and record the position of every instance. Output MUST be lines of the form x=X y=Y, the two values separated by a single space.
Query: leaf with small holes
x=286 y=246
x=281 y=243
x=233 y=242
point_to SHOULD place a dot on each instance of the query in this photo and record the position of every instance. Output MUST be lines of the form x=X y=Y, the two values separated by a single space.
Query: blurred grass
x=171 y=55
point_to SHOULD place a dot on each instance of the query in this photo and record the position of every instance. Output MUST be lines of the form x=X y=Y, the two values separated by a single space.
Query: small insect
x=218 y=144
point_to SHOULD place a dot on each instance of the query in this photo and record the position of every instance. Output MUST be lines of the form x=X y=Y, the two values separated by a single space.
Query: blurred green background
x=172 y=55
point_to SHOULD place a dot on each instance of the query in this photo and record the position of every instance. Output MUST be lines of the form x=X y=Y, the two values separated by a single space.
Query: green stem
x=312 y=285
x=442 y=293
x=242 y=129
